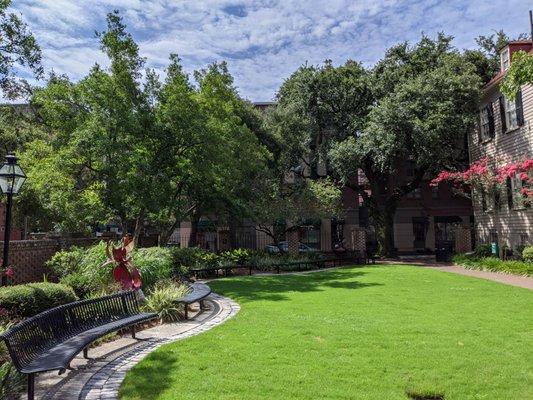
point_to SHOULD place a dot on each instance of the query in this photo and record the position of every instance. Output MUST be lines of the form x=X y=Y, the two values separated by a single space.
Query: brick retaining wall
x=28 y=257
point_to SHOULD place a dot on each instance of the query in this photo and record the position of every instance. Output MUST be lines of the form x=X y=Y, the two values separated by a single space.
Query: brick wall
x=28 y=257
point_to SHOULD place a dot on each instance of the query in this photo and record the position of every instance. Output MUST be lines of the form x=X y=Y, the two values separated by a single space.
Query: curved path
x=100 y=377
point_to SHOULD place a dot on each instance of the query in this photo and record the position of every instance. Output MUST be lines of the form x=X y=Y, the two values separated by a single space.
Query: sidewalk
x=507 y=279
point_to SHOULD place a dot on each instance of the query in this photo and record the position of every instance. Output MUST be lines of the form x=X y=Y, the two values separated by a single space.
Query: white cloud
x=264 y=41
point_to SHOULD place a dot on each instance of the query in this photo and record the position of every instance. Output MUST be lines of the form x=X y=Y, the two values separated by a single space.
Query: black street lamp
x=11 y=180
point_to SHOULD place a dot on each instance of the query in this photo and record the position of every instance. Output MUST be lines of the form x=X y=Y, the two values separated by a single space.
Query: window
x=505 y=59
x=483 y=201
x=497 y=200
x=486 y=125
x=511 y=120
x=519 y=200
x=409 y=168
x=414 y=194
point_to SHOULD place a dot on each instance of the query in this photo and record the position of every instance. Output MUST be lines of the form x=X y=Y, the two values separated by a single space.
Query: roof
x=515 y=45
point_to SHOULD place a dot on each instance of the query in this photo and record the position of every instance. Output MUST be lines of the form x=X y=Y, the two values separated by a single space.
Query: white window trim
x=484 y=122
x=505 y=55
x=510 y=108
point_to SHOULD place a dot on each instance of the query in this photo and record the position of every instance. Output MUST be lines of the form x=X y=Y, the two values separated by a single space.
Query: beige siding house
x=505 y=135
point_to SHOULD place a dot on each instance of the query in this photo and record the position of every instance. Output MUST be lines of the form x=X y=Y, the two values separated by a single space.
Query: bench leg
x=133 y=331
x=85 y=351
x=31 y=386
x=186 y=311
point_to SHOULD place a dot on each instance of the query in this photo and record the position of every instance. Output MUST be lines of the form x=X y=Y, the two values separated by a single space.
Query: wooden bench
x=50 y=340
x=197 y=295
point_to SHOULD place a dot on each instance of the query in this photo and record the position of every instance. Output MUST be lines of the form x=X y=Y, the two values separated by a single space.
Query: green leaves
x=519 y=73
x=17 y=46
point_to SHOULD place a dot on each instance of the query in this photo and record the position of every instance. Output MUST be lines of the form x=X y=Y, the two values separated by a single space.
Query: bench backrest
x=27 y=340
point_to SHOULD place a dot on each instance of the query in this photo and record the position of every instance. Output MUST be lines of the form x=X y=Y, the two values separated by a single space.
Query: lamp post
x=11 y=180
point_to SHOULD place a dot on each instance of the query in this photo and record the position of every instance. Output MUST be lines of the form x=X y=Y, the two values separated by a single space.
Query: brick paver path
x=429 y=262
x=508 y=279
x=100 y=377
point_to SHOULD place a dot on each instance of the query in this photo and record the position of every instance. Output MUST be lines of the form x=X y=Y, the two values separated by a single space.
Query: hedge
x=27 y=300
x=494 y=264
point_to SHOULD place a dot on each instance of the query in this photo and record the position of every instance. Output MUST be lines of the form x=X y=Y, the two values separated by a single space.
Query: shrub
x=82 y=268
x=23 y=301
x=527 y=253
x=154 y=263
x=162 y=300
x=237 y=256
x=483 y=250
x=185 y=258
x=494 y=264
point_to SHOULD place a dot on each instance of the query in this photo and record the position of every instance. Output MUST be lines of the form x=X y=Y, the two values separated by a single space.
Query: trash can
x=494 y=249
x=443 y=253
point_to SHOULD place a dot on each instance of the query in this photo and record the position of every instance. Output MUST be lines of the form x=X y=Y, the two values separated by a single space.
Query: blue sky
x=263 y=41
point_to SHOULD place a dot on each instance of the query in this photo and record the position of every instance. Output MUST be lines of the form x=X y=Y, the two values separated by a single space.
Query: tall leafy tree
x=18 y=47
x=415 y=105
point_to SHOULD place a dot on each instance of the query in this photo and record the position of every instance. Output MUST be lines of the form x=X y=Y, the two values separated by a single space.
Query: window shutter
x=479 y=138
x=519 y=108
x=490 y=114
x=509 y=186
x=502 y=114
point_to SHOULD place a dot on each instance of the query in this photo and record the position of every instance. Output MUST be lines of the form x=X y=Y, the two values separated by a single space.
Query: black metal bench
x=197 y=295
x=50 y=340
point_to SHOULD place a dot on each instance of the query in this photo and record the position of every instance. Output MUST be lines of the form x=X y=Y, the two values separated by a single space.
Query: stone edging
x=105 y=382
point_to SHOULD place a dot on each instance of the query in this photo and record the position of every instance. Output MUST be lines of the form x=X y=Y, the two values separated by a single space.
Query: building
x=504 y=135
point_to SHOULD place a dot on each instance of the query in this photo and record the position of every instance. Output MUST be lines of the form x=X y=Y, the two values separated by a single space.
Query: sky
x=263 y=41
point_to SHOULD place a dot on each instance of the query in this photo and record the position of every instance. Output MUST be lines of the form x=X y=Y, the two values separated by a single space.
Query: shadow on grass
x=274 y=288
x=149 y=385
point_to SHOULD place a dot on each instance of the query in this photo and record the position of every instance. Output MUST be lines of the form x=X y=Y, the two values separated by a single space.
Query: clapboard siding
x=511 y=225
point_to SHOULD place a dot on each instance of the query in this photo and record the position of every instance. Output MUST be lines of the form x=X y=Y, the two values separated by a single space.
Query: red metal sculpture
x=124 y=272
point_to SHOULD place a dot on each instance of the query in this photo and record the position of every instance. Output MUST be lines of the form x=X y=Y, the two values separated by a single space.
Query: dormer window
x=505 y=59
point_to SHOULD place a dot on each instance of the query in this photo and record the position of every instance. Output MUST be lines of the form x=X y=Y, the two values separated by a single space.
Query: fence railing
x=278 y=267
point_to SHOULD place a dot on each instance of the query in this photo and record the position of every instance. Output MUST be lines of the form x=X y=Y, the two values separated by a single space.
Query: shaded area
x=277 y=288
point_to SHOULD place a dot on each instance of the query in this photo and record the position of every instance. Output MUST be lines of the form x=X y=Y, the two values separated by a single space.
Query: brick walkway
x=508 y=279
x=429 y=262
x=100 y=377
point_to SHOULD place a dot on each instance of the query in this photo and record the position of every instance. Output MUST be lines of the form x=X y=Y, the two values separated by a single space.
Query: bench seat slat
x=60 y=356
x=199 y=292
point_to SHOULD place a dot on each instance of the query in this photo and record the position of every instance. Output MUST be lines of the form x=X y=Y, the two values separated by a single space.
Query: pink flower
x=9 y=272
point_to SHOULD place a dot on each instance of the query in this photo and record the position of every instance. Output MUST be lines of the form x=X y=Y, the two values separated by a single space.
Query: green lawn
x=354 y=333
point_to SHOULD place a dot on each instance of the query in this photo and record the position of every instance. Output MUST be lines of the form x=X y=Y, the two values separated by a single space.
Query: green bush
x=23 y=301
x=155 y=264
x=527 y=253
x=162 y=300
x=185 y=258
x=82 y=268
x=471 y=261
x=237 y=256
x=483 y=250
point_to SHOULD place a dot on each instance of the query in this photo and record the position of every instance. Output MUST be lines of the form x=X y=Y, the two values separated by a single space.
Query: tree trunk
x=138 y=226
x=193 y=239
x=166 y=233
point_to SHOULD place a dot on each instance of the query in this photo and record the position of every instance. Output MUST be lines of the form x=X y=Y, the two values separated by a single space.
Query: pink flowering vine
x=481 y=175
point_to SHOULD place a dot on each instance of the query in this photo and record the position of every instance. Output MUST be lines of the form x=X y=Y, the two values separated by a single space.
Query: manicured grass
x=354 y=333
x=494 y=264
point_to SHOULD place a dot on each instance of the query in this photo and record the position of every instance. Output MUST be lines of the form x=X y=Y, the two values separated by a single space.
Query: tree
x=519 y=73
x=17 y=47
x=417 y=104
x=130 y=148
